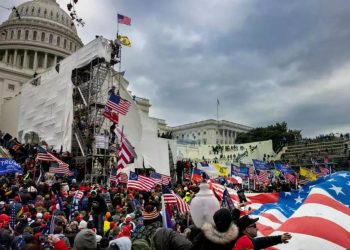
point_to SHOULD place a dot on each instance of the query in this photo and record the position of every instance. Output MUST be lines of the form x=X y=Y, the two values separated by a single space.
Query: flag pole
x=119 y=148
x=217 y=109
x=164 y=219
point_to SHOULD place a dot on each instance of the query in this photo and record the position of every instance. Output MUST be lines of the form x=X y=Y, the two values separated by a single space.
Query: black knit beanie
x=222 y=219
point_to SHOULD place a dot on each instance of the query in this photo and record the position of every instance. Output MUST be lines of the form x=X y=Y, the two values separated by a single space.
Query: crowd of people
x=65 y=213
x=69 y=215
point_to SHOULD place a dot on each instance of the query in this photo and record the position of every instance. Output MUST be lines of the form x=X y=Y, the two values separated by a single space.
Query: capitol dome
x=40 y=37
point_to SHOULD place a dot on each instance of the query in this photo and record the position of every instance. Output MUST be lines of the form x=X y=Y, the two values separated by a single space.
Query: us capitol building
x=37 y=39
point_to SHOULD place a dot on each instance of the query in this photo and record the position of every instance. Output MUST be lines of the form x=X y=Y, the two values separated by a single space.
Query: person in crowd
x=165 y=238
x=187 y=197
x=98 y=209
x=219 y=236
x=248 y=232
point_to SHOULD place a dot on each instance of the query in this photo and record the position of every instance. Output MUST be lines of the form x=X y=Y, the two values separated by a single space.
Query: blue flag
x=9 y=166
x=227 y=201
x=284 y=168
x=260 y=165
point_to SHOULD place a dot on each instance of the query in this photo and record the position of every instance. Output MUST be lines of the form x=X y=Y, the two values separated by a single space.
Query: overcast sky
x=266 y=61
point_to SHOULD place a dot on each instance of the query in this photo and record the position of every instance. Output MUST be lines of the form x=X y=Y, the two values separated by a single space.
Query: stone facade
x=208 y=132
x=42 y=36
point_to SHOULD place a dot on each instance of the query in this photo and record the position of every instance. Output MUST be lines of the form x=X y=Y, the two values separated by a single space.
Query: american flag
x=124 y=157
x=124 y=19
x=171 y=198
x=118 y=104
x=140 y=182
x=290 y=177
x=317 y=215
x=262 y=176
x=164 y=179
x=113 y=175
x=255 y=200
x=44 y=155
x=121 y=137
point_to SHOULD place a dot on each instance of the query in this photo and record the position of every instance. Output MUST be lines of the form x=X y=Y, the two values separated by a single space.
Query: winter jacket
x=60 y=245
x=257 y=243
x=167 y=239
x=148 y=231
x=97 y=204
x=210 y=238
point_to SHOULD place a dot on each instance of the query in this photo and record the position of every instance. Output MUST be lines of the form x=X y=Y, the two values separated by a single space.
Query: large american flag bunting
x=140 y=182
x=44 y=155
x=118 y=104
x=317 y=216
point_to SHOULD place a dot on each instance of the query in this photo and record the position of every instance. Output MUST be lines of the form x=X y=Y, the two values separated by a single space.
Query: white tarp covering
x=47 y=109
x=154 y=149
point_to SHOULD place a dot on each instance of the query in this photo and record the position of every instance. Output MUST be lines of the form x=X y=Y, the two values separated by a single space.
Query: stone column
x=15 y=58
x=35 y=64
x=6 y=56
x=45 y=61
x=25 y=59
x=55 y=60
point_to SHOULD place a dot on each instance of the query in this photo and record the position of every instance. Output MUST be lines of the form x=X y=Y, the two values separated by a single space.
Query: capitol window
x=19 y=34
x=26 y=35
x=50 y=38
x=39 y=11
x=65 y=43
x=12 y=34
x=34 y=35
x=11 y=87
x=42 y=36
x=58 y=41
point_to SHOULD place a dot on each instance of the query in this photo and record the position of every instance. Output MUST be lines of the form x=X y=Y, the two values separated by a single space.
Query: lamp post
x=204 y=205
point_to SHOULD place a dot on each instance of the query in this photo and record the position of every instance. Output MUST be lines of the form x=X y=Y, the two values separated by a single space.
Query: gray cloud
x=267 y=61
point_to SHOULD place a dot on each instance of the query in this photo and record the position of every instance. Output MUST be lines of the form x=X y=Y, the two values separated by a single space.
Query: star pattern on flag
x=330 y=180
x=287 y=194
x=348 y=183
x=298 y=200
x=337 y=189
x=343 y=175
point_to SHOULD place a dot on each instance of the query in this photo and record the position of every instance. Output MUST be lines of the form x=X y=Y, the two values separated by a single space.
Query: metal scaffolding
x=89 y=98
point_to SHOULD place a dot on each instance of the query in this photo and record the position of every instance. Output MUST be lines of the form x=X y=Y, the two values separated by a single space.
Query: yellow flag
x=124 y=40
x=307 y=173
x=222 y=170
x=277 y=173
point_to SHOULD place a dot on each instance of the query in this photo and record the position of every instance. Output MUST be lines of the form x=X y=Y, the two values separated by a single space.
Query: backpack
x=142 y=244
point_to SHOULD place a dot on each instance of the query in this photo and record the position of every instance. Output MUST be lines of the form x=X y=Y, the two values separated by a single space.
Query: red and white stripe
x=262 y=177
x=321 y=222
x=165 y=179
x=124 y=157
x=63 y=168
x=254 y=200
x=182 y=206
x=143 y=183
